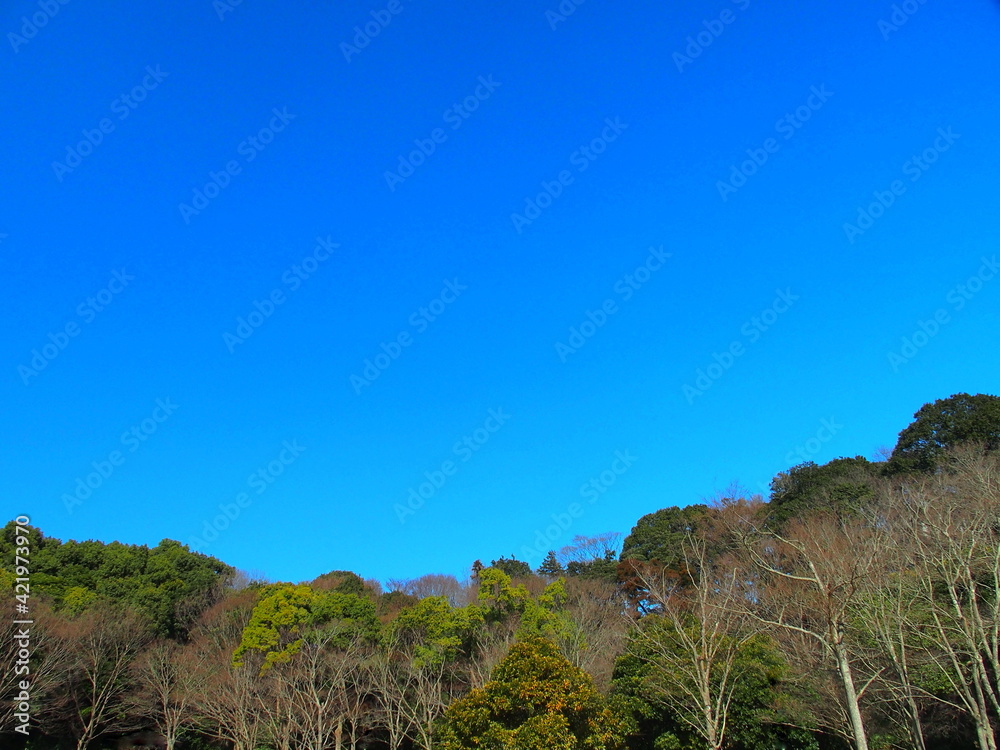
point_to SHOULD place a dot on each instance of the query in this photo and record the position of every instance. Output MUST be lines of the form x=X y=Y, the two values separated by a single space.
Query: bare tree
x=228 y=699
x=805 y=583
x=584 y=549
x=695 y=639
x=323 y=692
x=412 y=692
x=493 y=642
x=948 y=523
x=598 y=631
x=98 y=650
x=165 y=690
x=434 y=584
x=391 y=679
x=887 y=614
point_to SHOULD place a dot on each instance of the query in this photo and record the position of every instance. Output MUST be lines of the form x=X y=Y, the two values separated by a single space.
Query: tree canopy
x=946 y=423
x=536 y=700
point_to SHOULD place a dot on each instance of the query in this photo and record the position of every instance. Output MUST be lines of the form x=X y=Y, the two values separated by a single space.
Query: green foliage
x=512 y=566
x=498 y=594
x=943 y=424
x=536 y=700
x=758 y=712
x=550 y=567
x=77 y=599
x=7 y=581
x=166 y=584
x=286 y=614
x=601 y=569
x=435 y=631
x=842 y=486
x=658 y=536
x=341 y=581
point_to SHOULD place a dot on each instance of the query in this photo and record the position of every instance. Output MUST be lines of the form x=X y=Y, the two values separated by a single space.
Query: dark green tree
x=760 y=712
x=550 y=567
x=943 y=424
x=168 y=584
x=843 y=485
x=512 y=566
x=599 y=569
x=658 y=536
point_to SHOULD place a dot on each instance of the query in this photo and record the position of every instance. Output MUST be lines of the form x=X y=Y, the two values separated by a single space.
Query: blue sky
x=572 y=242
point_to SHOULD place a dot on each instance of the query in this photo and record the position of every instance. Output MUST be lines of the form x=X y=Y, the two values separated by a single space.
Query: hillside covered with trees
x=855 y=607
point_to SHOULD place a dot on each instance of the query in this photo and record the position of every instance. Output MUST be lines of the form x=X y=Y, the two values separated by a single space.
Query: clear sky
x=266 y=273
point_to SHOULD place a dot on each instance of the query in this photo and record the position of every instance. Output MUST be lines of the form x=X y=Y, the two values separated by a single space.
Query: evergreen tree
x=550 y=567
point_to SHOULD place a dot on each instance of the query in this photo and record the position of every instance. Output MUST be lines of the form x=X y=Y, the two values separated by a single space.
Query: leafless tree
x=228 y=699
x=323 y=697
x=584 y=549
x=91 y=658
x=598 y=631
x=164 y=690
x=805 y=582
x=433 y=584
x=695 y=639
x=949 y=525
x=390 y=680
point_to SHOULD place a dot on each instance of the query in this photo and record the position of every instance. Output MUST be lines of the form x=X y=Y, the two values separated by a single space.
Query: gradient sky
x=180 y=90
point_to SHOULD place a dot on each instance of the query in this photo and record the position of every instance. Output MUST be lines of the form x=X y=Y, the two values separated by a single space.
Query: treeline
x=857 y=608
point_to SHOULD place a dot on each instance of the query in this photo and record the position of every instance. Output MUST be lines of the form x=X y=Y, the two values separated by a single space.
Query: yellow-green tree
x=536 y=700
x=286 y=614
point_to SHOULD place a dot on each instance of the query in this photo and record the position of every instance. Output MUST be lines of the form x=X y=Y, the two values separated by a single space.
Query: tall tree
x=804 y=584
x=843 y=485
x=229 y=699
x=698 y=641
x=101 y=647
x=948 y=525
x=550 y=567
x=946 y=423
x=512 y=566
x=164 y=690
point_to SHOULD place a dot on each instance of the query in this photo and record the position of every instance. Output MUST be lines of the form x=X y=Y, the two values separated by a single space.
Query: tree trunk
x=851 y=694
x=916 y=728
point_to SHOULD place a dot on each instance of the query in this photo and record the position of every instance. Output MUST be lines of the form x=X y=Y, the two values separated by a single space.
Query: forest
x=854 y=608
